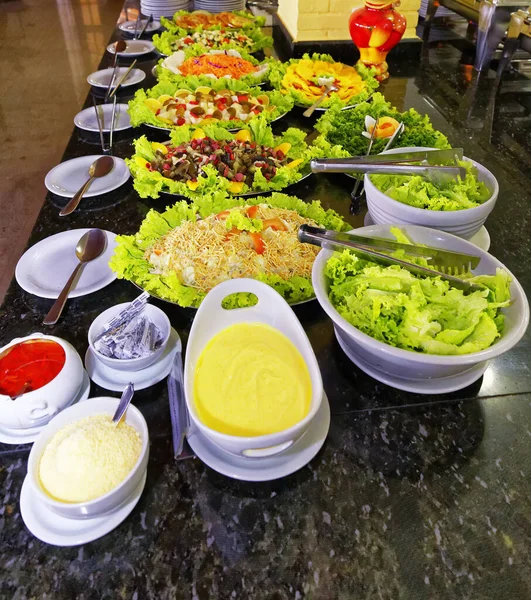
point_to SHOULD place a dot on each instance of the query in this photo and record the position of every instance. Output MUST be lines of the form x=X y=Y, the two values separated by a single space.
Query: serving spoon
x=329 y=89
x=99 y=168
x=125 y=399
x=119 y=46
x=89 y=247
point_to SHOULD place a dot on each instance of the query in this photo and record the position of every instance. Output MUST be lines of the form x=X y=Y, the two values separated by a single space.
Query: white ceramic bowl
x=464 y=223
x=116 y=497
x=130 y=364
x=419 y=366
x=272 y=310
x=34 y=409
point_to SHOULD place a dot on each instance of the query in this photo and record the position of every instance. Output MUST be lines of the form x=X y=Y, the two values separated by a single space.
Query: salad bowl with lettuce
x=419 y=333
x=460 y=207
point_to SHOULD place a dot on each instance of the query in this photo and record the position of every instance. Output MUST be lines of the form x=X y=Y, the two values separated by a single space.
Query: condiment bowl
x=412 y=366
x=464 y=223
x=130 y=364
x=117 y=496
x=271 y=310
x=36 y=408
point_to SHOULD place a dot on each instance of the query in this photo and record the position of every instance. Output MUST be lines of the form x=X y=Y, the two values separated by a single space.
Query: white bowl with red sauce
x=40 y=375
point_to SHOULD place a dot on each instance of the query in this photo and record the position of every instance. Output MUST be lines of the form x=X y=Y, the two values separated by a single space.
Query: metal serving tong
x=446 y=263
x=398 y=164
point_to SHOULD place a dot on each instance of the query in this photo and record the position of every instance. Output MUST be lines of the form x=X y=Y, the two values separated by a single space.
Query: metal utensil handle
x=55 y=312
x=318 y=166
x=309 y=111
x=123 y=79
x=125 y=399
x=359 y=179
x=113 y=117
x=100 y=124
x=180 y=420
x=113 y=76
x=73 y=204
x=148 y=21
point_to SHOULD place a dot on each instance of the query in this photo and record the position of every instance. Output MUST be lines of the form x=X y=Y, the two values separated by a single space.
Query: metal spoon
x=99 y=168
x=125 y=399
x=119 y=46
x=329 y=89
x=89 y=247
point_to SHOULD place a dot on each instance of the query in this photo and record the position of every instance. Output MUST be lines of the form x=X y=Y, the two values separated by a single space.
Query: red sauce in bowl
x=30 y=365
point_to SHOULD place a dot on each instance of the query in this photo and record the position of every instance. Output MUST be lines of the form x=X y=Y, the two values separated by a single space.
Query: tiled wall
x=312 y=20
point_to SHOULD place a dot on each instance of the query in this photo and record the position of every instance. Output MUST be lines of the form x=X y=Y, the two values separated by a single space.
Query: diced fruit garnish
x=263 y=99
x=244 y=135
x=140 y=161
x=182 y=93
x=294 y=163
x=164 y=97
x=284 y=148
x=203 y=90
x=235 y=187
x=275 y=224
x=198 y=134
x=192 y=184
x=160 y=147
x=380 y=35
x=258 y=242
x=251 y=211
x=153 y=105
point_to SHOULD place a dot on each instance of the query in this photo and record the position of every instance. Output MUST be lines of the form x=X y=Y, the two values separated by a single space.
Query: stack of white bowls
x=162 y=8
x=216 y=6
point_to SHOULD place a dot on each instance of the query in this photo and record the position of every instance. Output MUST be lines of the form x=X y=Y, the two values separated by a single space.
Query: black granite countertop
x=412 y=496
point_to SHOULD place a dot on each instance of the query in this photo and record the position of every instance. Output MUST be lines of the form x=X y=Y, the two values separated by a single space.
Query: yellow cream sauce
x=251 y=380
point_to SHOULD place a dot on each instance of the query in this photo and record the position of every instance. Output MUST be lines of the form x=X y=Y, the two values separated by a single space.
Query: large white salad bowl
x=464 y=223
x=415 y=366
x=36 y=408
x=271 y=310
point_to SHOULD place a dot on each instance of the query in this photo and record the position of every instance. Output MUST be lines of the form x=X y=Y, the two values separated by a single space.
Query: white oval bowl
x=35 y=409
x=117 y=496
x=464 y=223
x=273 y=310
x=130 y=364
x=415 y=365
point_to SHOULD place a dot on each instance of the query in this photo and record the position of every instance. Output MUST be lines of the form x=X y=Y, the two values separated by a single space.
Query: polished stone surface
x=411 y=497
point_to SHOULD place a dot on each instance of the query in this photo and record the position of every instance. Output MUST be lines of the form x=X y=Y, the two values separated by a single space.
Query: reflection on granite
x=411 y=497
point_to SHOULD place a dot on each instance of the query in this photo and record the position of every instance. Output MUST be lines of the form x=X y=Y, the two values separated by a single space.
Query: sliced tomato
x=275 y=224
x=243 y=98
x=231 y=232
x=222 y=215
x=258 y=243
x=251 y=211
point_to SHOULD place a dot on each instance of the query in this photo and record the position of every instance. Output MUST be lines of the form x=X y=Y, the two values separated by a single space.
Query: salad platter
x=207 y=21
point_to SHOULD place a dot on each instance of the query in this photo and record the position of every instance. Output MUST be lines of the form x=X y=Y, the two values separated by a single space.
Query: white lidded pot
x=271 y=310
x=37 y=407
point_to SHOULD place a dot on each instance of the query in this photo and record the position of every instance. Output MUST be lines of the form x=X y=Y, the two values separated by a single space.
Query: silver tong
x=446 y=263
x=397 y=164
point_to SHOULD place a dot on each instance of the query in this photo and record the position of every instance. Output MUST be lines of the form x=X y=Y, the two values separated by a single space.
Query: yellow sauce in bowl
x=251 y=380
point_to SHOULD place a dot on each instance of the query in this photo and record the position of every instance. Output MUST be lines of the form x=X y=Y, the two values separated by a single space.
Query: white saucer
x=14 y=437
x=114 y=380
x=87 y=120
x=133 y=48
x=442 y=385
x=130 y=26
x=265 y=469
x=102 y=78
x=481 y=239
x=67 y=177
x=52 y=528
x=44 y=269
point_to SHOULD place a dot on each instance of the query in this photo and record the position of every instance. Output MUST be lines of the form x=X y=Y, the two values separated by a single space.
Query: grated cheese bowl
x=271 y=310
x=115 y=497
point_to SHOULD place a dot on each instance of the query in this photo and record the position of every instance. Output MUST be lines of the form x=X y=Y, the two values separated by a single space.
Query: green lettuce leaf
x=128 y=260
x=420 y=193
x=418 y=314
x=345 y=127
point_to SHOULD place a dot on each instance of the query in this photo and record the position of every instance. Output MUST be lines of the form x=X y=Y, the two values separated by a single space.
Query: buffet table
x=412 y=496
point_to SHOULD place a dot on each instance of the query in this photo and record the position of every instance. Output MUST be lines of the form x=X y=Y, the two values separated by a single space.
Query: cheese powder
x=88 y=458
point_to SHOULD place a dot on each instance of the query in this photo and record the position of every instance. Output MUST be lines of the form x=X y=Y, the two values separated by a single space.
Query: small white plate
x=112 y=379
x=87 y=120
x=133 y=48
x=443 y=385
x=14 y=437
x=130 y=26
x=52 y=528
x=102 y=79
x=265 y=469
x=67 y=177
x=481 y=239
x=44 y=268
